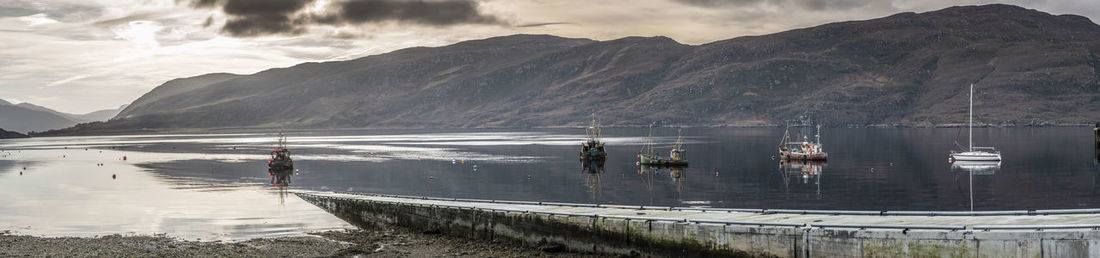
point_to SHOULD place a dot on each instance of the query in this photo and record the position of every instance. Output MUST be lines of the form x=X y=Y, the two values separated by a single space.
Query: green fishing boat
x=592 y=148
x=676 y=157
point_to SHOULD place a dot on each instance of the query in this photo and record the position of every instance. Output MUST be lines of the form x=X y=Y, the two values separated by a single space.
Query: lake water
x=215 y=186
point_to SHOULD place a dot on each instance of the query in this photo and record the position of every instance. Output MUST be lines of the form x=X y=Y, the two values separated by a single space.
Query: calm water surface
x=215 y=186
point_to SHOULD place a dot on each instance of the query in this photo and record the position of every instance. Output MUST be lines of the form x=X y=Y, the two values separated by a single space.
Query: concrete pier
x=679 y=231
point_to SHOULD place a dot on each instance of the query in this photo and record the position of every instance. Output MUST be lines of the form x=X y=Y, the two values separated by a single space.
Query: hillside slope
x=909 y=68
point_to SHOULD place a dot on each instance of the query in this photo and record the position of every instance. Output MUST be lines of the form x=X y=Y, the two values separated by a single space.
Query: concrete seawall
x=672 y=231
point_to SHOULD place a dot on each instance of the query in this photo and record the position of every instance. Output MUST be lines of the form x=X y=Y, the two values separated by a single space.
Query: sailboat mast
x=970 y=124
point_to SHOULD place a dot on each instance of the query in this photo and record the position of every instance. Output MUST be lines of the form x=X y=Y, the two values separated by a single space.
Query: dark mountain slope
x=1027 y=67
x=8 y=134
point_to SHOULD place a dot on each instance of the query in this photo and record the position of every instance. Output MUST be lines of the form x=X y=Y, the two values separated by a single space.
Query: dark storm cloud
x=260 y=17
x=263 y=17
x=412 y=11
x=205 y=3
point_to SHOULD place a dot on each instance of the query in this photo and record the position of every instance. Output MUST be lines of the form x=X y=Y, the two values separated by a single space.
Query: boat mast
x=679 y=139
x=817 y=136
x=970 y=124
x=649 y=141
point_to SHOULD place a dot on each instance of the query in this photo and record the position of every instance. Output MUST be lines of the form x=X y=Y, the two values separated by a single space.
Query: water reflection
x=541 y=165
x=971 y=169
x=981 y=168
x=592 y=166
x=280 y=177
x=676 y=175
x=803 y=171
x=593 y=171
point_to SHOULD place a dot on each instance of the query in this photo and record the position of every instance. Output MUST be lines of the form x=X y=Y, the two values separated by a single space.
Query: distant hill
x=26 y=117
x=10 y=135
x=1028 y=67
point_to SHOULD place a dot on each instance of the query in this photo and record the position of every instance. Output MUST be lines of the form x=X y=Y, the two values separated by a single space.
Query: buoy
x=113 y=176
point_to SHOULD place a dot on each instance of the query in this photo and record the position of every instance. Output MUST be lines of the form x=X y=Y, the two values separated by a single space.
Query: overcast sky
x=79 y=56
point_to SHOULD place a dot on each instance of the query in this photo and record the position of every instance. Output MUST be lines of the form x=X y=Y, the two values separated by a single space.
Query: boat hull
x=804 y=156
x=650 y=161
x=976 y=156
x=593 y=153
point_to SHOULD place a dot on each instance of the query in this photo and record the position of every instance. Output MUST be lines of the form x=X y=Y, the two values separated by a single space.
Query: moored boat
x=280 y=166
x=676 y=157
x=974 y=153
x=592 y=148
x=804 y=150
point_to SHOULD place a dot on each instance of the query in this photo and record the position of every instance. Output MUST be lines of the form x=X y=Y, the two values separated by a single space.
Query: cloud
x=260 y=17
x=718 y=3
x=529 y=25
x=15 y=11
x=248 y=18
x=832 y=4
x=814 y=5
x=419 y=12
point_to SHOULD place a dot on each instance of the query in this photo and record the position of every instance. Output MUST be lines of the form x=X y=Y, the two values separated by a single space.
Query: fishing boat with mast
x=592 y=148
x=804 y=150
x=975 y=153
x=280 y=166
x=676 y=156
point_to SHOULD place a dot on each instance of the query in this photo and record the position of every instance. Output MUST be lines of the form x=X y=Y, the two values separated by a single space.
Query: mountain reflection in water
x=171 y=183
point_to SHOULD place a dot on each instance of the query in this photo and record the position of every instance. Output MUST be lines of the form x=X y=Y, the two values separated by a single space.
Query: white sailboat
x=975 y=153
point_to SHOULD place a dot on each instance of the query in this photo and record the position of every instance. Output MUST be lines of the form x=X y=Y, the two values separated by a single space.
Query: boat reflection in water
x=593 y=170
x=974 y=168
x=675 y=173
x=649 y=173
x=804 y=171
x=280 y=177
x=979 y=168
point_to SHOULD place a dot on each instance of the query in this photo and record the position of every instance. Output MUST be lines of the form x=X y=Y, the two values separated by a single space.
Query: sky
x=79 y=56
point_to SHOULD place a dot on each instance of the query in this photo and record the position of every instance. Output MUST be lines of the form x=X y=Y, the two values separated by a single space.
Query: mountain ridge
x=26 y=117
x=906 y=68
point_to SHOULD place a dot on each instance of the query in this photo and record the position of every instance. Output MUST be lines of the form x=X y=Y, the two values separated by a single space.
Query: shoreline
x=152 y=131
x=388 y=242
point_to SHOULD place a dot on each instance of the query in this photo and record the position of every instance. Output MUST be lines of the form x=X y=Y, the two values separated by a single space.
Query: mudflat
x=395 y=242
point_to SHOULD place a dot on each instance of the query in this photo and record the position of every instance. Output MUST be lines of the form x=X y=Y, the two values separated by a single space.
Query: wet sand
x=345 y=243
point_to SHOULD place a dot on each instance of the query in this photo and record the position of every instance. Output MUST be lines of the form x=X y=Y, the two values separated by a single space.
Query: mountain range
x=1027 y=67
x=26 y=117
